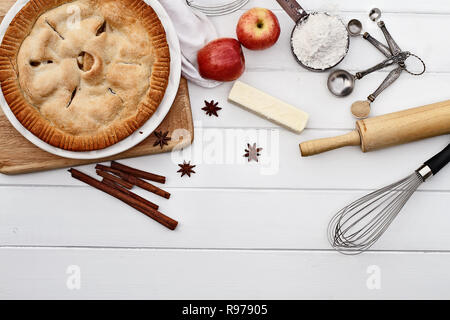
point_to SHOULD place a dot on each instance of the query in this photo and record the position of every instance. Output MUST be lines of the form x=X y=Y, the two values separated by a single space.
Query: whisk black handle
x=439 y=161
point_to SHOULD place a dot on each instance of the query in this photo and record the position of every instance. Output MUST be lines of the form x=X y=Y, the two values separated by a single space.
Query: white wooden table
x=251 y=230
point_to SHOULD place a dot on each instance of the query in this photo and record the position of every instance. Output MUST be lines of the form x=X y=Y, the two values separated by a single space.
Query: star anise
x=252 y=153
x=186 y=169
x=161 y=138
x=211 y=108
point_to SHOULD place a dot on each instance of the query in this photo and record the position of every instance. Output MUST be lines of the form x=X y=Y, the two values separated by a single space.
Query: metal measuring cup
x=300 y=17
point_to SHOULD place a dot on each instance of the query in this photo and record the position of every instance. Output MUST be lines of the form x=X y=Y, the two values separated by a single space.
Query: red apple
x=258 y=29
x=221 y=60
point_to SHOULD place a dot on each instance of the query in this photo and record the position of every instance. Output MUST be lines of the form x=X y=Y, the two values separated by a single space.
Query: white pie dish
x=140 y=134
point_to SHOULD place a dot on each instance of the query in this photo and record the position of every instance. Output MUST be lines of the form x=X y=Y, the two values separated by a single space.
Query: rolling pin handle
x=310 y=148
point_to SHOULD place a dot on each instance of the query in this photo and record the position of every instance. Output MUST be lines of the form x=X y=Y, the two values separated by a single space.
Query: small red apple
x=258 y=29
x=221 y=60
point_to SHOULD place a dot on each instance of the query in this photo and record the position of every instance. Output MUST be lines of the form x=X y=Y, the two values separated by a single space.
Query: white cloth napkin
x=194 y=31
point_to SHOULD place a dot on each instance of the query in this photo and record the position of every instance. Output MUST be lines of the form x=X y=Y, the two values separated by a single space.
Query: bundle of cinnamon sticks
x=118 y=180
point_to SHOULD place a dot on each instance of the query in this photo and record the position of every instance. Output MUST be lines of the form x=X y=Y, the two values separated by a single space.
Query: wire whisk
x=359 y=225
x=218 y=10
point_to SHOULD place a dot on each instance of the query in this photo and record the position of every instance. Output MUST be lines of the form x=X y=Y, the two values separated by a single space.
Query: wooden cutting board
x=18 y=155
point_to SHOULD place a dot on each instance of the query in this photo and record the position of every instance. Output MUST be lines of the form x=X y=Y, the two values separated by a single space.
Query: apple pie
x=83 y=75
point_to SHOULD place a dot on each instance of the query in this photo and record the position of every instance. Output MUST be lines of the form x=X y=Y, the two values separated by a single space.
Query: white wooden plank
x=425 y=41
x=219 y=218
x=180 y=274
x=218 y=154
x=309 y=92
x=418 y=6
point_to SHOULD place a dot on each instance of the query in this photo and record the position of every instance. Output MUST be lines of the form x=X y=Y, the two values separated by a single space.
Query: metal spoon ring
x=421 y=61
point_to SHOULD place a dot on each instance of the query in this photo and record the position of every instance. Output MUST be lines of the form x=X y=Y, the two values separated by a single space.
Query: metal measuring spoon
x=361 y=109
x=340 y=82
x=300 y=17
x=375 y=14
x=354 y=28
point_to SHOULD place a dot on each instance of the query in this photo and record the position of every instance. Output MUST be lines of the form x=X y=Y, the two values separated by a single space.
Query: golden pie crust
x=83 y=75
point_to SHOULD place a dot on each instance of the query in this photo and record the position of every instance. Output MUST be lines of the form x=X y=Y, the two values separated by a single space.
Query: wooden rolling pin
x=388 y=130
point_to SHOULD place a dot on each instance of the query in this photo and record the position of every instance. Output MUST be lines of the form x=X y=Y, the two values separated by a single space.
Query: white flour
x=321 y=41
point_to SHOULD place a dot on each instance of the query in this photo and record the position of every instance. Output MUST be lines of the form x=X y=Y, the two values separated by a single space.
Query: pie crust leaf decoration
x=161 y=139
x=186 y=169
x=211 y=108
x=83 y=75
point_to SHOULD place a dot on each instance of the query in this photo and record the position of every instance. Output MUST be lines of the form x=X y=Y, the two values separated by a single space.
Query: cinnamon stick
x=149 y=187
x=138 y=173
x=123 y=175
x=115 y=179
x=142 y=207
x=136 y=181
x=131 y=194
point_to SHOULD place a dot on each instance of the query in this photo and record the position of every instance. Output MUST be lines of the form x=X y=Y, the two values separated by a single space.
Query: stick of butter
x=268 y=107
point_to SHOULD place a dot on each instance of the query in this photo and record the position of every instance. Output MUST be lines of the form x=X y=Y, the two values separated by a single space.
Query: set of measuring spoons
x=341 y=83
